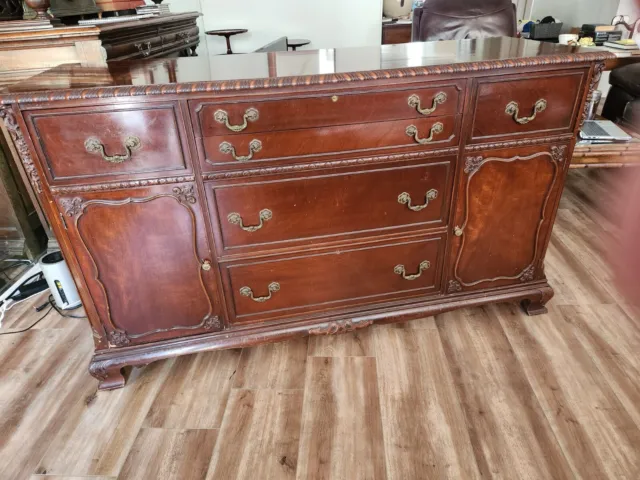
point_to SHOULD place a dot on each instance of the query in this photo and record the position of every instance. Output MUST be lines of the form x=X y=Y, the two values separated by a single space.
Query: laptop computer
x=603 y=131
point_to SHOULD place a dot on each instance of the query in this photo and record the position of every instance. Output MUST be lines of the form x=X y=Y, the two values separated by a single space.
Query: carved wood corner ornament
x=559 y=153
x=212 y=323
x=72 y=206
x=119 y=338
x=9 y=119
x=472 y=164
x=339 y=326
x=528 y=274
x=185 y=194
x=454 y=286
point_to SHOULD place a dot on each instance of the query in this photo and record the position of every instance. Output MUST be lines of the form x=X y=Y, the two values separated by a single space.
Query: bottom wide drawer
x=259 y=289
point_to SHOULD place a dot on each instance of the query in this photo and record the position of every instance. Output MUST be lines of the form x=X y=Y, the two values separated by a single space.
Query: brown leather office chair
x=455 y=19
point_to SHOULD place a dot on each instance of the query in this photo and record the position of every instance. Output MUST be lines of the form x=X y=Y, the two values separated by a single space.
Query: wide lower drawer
x=526 y=105
x=414 y=134
x=219 y=118
x=103 y=142
x=267 y=213
x=266 y=288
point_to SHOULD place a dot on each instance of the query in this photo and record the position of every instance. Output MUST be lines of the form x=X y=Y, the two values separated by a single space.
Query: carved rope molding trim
x=7 y=115
x=595 y=79
x=120 y=185
x=328 y=79
x=328 y=164
x=518 y=143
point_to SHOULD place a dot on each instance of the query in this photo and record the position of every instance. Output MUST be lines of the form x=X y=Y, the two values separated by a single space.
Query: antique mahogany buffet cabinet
x=234 y=200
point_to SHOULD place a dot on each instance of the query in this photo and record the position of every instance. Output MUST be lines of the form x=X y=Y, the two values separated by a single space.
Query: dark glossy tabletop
x=213 y=68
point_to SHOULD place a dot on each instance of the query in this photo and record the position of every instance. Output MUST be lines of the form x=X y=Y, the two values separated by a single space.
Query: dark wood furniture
x=158 y=37
x=227 y=34
x=295 y=43
x=396 y=32
x=225 y=213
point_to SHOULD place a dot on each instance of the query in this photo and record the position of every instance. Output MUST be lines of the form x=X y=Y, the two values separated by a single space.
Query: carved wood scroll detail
x=7 y=115
x=559 y=153
x=99 y=187
x=119 y=338
x=226 y=86
x=595 y=78
x=212 y=323
x=528 y=274
x=472 y=164
x=339 y=326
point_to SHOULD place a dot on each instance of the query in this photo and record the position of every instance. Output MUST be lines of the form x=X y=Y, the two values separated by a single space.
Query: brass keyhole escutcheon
x=206 y=265
x=334 y=98
x=457 y=231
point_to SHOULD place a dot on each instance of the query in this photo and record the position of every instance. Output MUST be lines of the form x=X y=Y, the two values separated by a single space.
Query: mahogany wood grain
x=315 y=207
x=559 y=90
x=365 y=138
x=317 y=281
x=327 y=110
x=62 y=135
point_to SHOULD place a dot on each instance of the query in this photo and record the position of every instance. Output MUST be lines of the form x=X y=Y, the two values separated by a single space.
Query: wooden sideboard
x=247 y=205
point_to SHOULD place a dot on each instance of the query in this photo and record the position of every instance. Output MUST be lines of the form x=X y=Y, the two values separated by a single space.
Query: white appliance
x=59 y=279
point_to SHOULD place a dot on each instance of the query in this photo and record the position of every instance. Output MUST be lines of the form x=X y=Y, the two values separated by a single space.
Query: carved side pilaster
x=9 y=119
x=597 y=73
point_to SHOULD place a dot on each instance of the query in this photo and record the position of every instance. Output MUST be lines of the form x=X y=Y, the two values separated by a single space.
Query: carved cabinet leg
x=536 y=304
x=110 y=376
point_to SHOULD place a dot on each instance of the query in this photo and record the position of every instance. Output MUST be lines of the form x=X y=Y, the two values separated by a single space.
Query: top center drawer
x=227 y=117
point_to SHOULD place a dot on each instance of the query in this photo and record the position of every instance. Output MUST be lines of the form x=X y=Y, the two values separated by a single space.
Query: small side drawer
x=327 y=109
x=411 y=134
x=83 y=143
x=543 y=104
x=266 y=213
x=267 y=288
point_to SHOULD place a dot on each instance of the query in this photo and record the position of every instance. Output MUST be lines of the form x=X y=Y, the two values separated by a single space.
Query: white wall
x=574 y=13
x=327 y=23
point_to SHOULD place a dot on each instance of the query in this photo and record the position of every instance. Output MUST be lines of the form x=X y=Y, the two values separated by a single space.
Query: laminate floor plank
x=259 y=436
x=97 y=435
x=196 y=391
x=169 y=455
x=424 y=425
x=275 y=365
x=510 y=435
x=597 y=434
x=359 y=343
x=66 y=477
x=341 y=434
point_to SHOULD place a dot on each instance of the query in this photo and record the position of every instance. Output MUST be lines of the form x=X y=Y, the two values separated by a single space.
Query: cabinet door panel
x=504 y=215
x=142 y=255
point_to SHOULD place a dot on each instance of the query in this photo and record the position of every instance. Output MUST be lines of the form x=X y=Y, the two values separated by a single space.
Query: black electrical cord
x=60 y=312
x=30 y=326
x=52 y=306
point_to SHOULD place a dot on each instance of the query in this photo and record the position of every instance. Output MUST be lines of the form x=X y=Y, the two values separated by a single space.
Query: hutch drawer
x=541 y=104
x=268 y=212
x=83 y=143
x=213 y=119
x=257 y=289
x=414 y=134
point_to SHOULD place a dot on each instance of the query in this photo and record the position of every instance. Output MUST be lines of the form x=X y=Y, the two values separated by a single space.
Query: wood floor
x=478 y=393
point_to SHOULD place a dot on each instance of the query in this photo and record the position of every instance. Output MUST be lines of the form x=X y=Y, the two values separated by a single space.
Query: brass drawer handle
x=247 y=292
x=414 y=101
x=250 y=115
x=399 y=270
x=264 y=215
x=513 y=109
x=412 y=131
x=254 y=146
x=93 y=145
x=405 y=199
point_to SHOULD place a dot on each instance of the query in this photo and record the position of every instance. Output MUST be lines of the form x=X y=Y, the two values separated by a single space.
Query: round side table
x=227 y=33
x=294 y=43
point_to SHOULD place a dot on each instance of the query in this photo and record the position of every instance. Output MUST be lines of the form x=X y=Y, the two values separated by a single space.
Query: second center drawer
x=268 y=212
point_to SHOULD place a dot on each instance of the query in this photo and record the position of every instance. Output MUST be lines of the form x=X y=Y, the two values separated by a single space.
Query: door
x=506 y=205
x=145 y=258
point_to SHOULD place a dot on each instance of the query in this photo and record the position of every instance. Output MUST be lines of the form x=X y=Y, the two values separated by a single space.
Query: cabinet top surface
x=280 y=69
